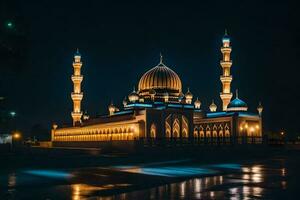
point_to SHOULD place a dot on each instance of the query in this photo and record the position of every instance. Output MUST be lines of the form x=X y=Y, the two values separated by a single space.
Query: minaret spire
x=77 y=95
x=226 y=77
x=236 y=93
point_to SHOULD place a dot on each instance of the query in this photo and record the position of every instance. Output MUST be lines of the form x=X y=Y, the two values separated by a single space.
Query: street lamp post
x=16 y=138
x=282 y=133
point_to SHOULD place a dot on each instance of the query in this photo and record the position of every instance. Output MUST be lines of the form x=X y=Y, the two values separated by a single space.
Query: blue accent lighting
x=49 y=174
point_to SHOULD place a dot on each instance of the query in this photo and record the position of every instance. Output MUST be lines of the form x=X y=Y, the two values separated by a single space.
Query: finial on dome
x=226 y=37
x=77 y=53
x=161 y=58
x=236 y=93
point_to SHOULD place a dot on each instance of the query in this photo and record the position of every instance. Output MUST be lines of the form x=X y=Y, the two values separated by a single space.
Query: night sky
x=120 y=41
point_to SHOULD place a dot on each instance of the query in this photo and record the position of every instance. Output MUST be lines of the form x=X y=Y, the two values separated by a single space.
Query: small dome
x=237 y=104
x=112 y=109
x=54 y=126
x=188 y=97
x=213 y=107
x=188 y=94
x=133 y=96
x=260 y=108
x=85 y=116
x=197 y=103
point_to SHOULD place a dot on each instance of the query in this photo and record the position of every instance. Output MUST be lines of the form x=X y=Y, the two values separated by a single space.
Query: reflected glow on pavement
x=49 y=173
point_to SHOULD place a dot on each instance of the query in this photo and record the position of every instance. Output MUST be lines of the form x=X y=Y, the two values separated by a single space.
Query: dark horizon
x=119 y=42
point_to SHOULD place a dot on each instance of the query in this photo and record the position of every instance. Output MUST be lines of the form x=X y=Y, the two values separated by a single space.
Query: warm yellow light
x=241 y=128
x=282 y=133
x=251 y=129
x=257 y=126
x=16 y=135
x=246 y=126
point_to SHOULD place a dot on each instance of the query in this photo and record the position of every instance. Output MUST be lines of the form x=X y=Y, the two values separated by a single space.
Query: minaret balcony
x=225 y=95
x=225 y=63
x=226 y=78
x=77 y=78
x=77 y=64
x=76 y=114
x=226 y=49
x=77 y=96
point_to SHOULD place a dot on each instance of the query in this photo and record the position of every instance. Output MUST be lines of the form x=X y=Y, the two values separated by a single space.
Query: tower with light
x=77 y=95
x=226 y=77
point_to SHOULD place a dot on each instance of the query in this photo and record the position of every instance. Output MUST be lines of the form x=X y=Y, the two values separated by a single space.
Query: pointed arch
x=176 y=128
x=196 y=129
x=185 y=127
x=153 y=131
x=221 y=133
x=207 y=132
x=215 y=133
x=227 y=131
x=168 y=127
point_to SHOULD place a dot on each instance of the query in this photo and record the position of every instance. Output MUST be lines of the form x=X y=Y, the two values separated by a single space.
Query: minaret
x=226 y=78
x=77 y=95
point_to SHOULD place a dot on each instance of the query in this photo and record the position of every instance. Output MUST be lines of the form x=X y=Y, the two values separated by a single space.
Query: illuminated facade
x=159 y=111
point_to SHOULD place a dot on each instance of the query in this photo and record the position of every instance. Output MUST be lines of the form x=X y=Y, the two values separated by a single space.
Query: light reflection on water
x=245 y=184
x=235 y=182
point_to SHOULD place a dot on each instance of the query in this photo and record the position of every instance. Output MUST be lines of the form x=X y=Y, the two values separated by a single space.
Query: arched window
x=196 y=132
x=176 y=128
x=221 y=134
x=215 y=133
x=168 y=129
x=153 y=131
x=168 y=126
x=185 y=127
x=207 y=132
x=227 y=132
x=201 y=133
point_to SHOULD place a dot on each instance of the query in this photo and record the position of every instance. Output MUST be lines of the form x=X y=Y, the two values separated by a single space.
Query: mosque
x=159 y=111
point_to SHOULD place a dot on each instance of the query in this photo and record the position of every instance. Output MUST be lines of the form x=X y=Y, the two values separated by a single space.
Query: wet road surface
x=274 y=178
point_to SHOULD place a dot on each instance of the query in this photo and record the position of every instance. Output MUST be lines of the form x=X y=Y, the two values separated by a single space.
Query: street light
x=9 y=24
x=16 y=135
x=12 y=114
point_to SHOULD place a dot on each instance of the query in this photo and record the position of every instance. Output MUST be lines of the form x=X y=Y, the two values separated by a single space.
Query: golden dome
x=162 y=80
x=133 y=96
x=197 y=103
x=188 y=96
x=213 y=107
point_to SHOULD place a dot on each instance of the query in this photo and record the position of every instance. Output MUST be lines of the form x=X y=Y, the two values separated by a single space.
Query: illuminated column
x=226 y=78
x=77 y=95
